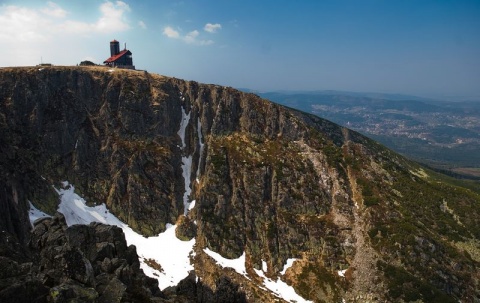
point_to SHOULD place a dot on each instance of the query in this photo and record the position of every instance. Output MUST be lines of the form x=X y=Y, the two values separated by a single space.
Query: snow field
x=166 y=249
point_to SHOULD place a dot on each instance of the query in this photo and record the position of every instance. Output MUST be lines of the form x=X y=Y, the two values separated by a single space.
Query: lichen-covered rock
x=71 y=292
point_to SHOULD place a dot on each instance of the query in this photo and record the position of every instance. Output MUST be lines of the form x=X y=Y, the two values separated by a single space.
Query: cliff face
x=268 y=181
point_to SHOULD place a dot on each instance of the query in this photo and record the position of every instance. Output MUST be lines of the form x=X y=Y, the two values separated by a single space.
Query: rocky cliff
x=363 y=223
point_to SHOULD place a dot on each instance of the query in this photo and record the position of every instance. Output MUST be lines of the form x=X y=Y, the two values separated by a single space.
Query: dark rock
x=79 y=268
x=227 y=291
x=28 y=291
x=186 y=229
x=70 y=292
x=113 y=291
x=9 y=268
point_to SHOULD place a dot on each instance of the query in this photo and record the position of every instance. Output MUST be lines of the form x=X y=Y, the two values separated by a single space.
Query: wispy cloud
x=171 y=33
x=142 y=24
x=54 y=10
x=212 y=28
x=190 y=38
x=113 y=17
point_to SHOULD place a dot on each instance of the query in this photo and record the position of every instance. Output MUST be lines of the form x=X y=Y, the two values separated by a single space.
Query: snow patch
x=264 y=266
x=287 y=265
x=183 y=127
x=191 y=205
x=202 y=145
x=165 y=249
x=35 y=214
x=237 y=264
x=186 y=161
x=280 y=288
x=186 y=172
x=341 y=273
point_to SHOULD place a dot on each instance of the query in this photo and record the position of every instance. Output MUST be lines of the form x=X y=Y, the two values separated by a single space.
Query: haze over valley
x=441 y=134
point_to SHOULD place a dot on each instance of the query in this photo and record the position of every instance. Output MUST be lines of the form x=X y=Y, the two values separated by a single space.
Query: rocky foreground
x=89 y=263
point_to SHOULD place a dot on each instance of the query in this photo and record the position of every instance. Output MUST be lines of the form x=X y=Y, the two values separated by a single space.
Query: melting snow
x=237 y=264
x=264 y=266
x=183 y=126
x=191 y=205
x=341 y=273
x=186 y=161
x=202 y=145
x=166 y=249
x=287 y=265
x=280 y=288
x=34 y=213
x=186 y=172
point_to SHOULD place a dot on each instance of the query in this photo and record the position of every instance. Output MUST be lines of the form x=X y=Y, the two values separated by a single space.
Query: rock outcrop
x=80 y=263
x=268 y=181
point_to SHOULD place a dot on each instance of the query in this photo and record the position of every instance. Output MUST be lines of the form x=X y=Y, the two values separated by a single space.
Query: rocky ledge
x=80 y=263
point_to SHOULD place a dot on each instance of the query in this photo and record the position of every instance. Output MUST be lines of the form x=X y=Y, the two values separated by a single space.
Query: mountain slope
x=443 y=135
x=270 y=184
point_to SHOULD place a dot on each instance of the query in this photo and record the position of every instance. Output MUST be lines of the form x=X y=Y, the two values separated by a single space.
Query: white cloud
x=54 y=10
x=171 y=33
x=25 y=24
x=142 y=24
x=51 y=29
x=212 y=28
x=205 y=42
x=21 y=25
x=190 y=38
x=112 y=19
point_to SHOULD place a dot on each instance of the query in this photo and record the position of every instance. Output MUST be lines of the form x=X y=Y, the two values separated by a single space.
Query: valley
x=443 y=135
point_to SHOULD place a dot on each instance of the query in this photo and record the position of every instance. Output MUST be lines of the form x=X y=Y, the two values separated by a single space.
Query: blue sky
x=420 y=47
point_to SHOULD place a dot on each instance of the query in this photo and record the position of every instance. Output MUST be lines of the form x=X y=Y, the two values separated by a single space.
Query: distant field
x=467 y=171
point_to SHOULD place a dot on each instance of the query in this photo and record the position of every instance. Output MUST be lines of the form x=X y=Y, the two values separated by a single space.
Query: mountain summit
x=275 y=199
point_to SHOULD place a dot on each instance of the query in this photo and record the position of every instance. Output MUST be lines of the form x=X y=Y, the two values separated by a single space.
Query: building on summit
x=120 y=59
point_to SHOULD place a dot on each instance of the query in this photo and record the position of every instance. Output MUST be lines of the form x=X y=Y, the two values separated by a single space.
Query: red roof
x=116 y=57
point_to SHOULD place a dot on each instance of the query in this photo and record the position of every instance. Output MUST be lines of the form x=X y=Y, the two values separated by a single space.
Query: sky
x=419 y=47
